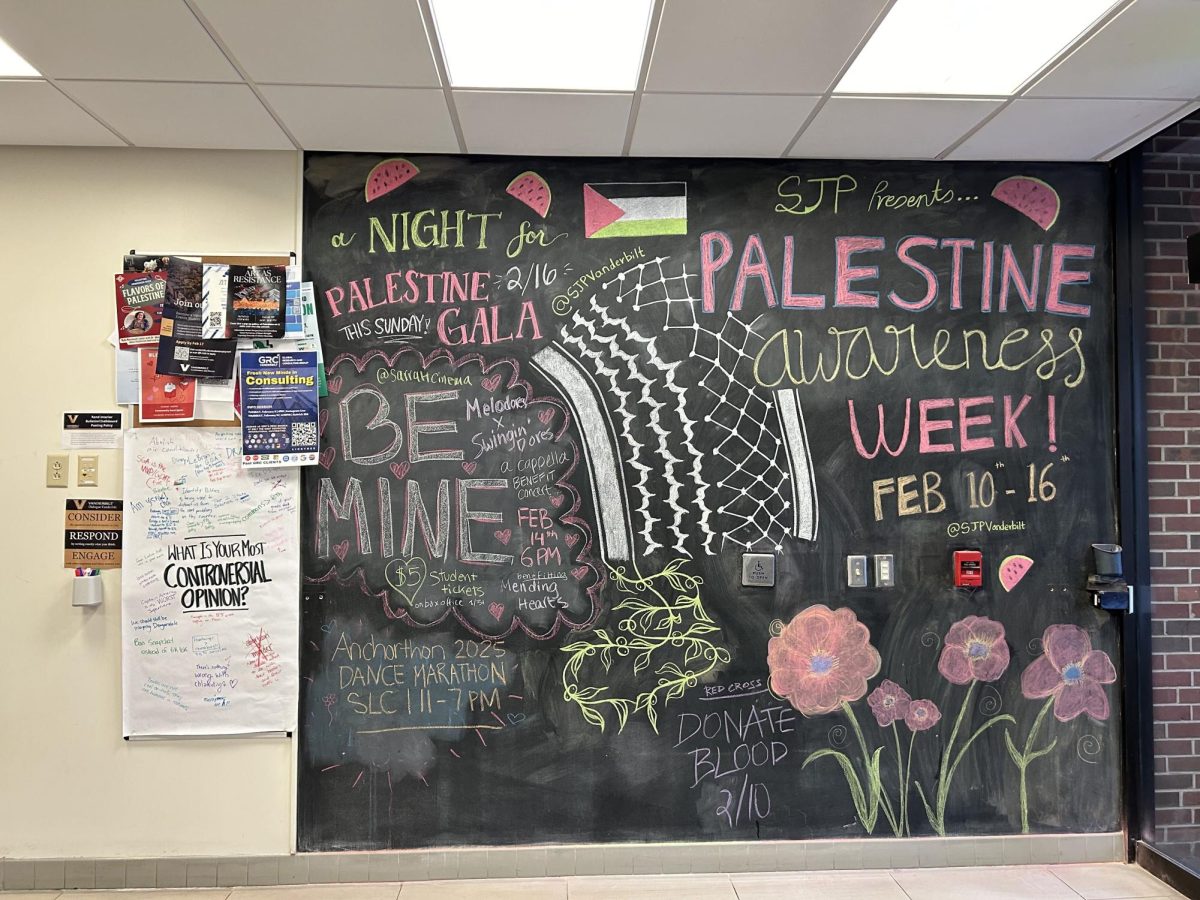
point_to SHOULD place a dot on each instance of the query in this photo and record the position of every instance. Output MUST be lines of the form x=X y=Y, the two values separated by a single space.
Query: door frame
x=1133 y=493
x=1137 y=660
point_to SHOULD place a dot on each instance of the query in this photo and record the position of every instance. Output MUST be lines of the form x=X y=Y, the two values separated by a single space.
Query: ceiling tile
x=345 y=118
x=140 y=39
x=34 y=112
x=1061 y=129
x=717 y=124
x=757 y=46
x=530 y=123
x=351 y=42
x=1150 y=50
x=153 y=114
x=889 y=128
x=1183 y=112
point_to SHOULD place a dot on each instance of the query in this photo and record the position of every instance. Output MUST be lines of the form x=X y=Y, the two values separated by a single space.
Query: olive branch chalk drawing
x=664 y=612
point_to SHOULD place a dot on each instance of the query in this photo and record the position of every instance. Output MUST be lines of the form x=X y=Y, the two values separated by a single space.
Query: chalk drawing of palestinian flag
x=634 y=209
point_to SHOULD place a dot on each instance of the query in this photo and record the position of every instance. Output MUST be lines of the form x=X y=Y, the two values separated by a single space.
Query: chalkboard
x=567 y=395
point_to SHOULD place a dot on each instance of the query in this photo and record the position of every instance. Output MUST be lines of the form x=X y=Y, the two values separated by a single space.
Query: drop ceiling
x=718 y=78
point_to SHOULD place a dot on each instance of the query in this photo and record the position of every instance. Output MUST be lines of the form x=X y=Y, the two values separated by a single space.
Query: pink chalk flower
x=974 y=650
x=1072 y=672
x=922 y=715
x=822 y=659
x=888 y=702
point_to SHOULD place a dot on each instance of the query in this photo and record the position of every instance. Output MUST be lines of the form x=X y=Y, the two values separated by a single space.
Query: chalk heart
x=496 y=609
x=515 y=718
x=580 y=572
x=341 y=549
x=326 y=457
x=400 y=469
x=334 y=384
x=572 y=539
x=557 y=500
x=546 y=415
x=504 y=536
x=491 y=382
x=323 y=420
x=470 y=467
x=407 y=577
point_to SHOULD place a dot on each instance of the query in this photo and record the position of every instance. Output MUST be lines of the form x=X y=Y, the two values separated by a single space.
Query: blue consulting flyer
x=279 y=408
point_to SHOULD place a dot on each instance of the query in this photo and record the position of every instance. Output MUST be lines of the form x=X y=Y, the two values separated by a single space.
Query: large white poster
x=210 y=587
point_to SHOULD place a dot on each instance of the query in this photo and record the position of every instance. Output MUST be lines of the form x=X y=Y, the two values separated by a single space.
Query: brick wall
x=1171 y=181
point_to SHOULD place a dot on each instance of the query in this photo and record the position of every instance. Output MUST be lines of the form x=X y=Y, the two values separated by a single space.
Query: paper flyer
x=214 y=399
x=216 y=322
x=194 y=339
x=164 y=398
x=139 y=307
x=293 y=324
x=145 y=263
x=127 y=371
x=210 y=587
x=92 y=430
x=256 y=297
x=278 y=392
x=92 y=534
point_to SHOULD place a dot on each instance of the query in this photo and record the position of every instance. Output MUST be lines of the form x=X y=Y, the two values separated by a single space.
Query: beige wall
x=69 y=785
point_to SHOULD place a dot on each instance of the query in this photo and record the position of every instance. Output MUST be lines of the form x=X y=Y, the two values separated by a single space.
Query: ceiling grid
x=709 y=78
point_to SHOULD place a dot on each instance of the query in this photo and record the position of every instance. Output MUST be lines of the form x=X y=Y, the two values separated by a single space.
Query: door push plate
x=758 y=570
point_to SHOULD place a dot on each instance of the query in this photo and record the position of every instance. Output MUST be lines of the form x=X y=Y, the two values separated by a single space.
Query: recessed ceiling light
x=580 y=45
x=13 y=65
x=980 y=47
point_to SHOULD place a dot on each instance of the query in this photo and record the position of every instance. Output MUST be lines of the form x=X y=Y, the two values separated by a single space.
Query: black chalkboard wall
x=566 y=395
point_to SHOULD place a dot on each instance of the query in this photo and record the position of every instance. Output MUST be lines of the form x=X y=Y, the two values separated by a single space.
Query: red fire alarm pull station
x=968 y=568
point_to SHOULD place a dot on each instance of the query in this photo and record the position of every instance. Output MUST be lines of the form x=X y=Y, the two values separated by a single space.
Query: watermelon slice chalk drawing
x=1013 y=569
x=531 y=189
x=387 y=176
x=1031 y=197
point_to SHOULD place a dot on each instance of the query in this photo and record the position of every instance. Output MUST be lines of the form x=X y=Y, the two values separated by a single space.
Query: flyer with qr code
x=195 y=339
x=279 y=408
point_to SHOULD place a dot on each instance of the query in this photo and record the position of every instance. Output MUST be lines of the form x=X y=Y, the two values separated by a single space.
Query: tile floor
x=1106 y=881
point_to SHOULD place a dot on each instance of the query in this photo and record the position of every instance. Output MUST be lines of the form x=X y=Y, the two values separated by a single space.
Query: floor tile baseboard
x=559 y=860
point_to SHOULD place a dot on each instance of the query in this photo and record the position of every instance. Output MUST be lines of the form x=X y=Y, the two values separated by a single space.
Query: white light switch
x=885 y=570
x=87 y=474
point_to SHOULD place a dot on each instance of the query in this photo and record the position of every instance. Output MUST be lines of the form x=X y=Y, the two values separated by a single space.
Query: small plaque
x=758 y=570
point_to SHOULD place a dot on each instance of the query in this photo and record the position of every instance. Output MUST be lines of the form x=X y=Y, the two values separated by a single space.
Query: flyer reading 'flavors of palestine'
x=140 y=297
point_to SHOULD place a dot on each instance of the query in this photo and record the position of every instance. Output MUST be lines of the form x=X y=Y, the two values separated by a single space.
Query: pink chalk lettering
x=966 y=421
x=847 y=274
x=931 y=282
x=926 y=426
x=1061 y=276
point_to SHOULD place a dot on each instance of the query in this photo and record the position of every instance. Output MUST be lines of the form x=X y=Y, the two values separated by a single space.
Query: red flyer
x=140 y=298
x=165 y=398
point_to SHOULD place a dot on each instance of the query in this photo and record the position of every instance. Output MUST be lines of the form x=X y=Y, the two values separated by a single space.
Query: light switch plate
x=885 y=570
x=87 y=473
x=856 y=571
x=758 y=570
x=58 y=467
